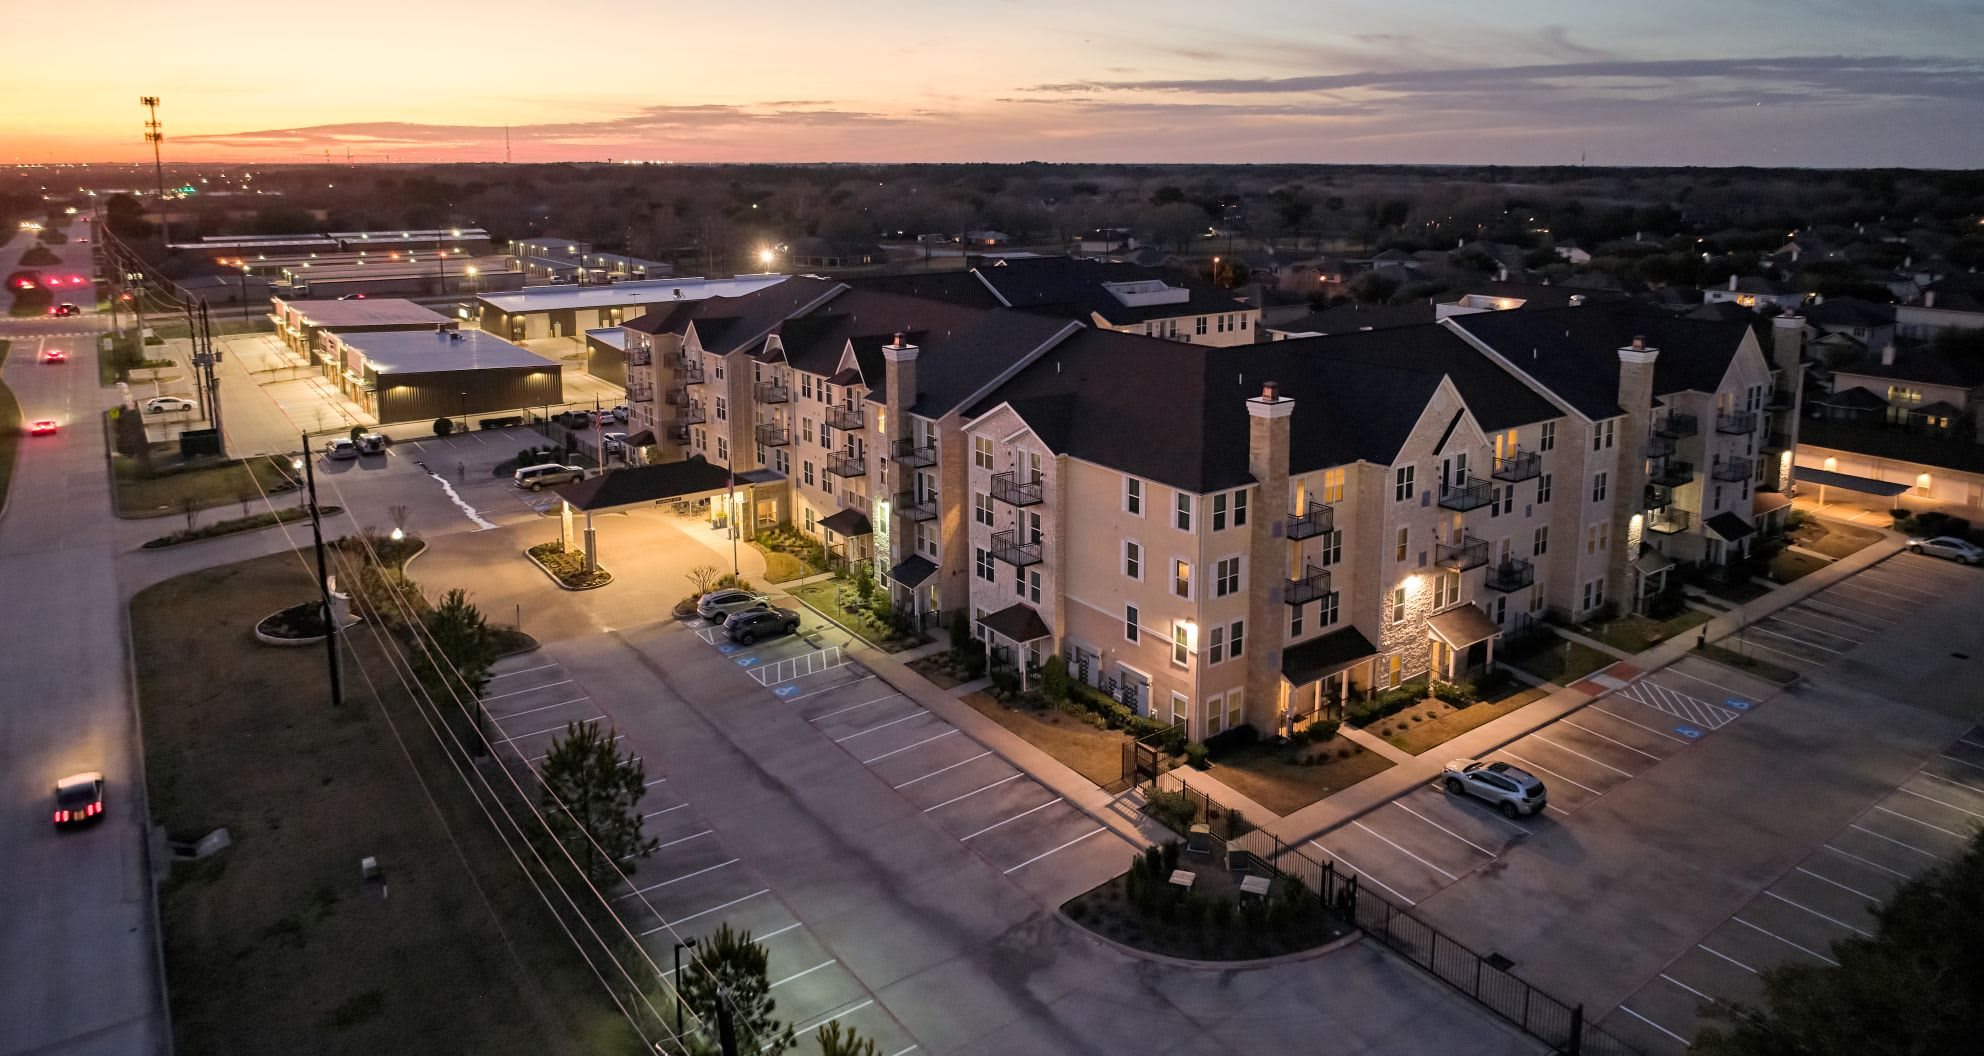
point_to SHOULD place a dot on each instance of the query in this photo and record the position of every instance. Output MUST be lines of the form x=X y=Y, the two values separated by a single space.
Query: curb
x=146 y=852
x=562 y=585
x=1354 y=936
x=333 y=511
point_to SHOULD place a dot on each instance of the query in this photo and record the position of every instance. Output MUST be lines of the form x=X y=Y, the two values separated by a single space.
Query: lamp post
x=473 y=285
x=244 y=293
x=687 y=944
x=765 y=257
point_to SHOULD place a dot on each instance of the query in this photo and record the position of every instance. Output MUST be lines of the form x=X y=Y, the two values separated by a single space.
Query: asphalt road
x=76 y=932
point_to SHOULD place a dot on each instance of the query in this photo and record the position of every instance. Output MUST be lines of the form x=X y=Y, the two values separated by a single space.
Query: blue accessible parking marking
x=786 y=690
x=1738 y=703
x=746 y=661
x=1688 y=731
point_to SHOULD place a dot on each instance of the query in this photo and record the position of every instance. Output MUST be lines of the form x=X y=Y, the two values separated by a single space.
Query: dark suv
x=752 y=624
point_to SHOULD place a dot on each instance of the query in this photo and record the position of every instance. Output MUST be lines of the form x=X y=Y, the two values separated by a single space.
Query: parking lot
x=1818 y=630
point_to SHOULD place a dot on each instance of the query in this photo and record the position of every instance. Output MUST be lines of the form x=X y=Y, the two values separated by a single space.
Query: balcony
x=674 y=359
x=1522 y=465
x=911 y=453
x=1006 y=546
x=1658 y=495
x=1668 y=520
x=1671 y=473
x=1459 y=557
x=1658 y=446
x=774 y=435
x=677 y=396
x=690 y=414
x=1675 y=425
x=1510 y=574
x=1467 y=493
x=689 y=373
x=1732 y=469
x=1776 y=440
x=916 y=507
x=842 y=416
x=1314 y=585
x=1317 y=519
x=844 y=464
x=772 y=392
x=678 y=433
x=640 y=390
x=640 y=356
x=1010 y=489
x=1736 y=423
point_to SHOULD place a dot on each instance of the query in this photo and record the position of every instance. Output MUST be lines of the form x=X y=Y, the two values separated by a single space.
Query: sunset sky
x=1762 y=82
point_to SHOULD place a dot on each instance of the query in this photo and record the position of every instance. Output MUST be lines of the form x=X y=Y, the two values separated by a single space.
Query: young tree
x=593 y=795
x=462 y=635
x=837 y=1042
x=732 y=971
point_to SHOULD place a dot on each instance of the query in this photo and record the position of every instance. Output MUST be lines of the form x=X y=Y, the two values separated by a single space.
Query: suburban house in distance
x=1755 y=291
x=1122 y=297
x=1899 y=430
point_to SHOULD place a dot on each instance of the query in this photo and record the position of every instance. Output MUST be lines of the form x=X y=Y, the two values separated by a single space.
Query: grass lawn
x=1092 y=753
x=1563 y=662
x=161 y=493
x=273 y=946
x=824 y=596
x=10 y=430
x=1414 y=732
x=1745 y=662
x=1834 y=538
x=1747 y=590
x=781 y=567
x=1635 y=633
x=1283 y=779
x=1788 y=565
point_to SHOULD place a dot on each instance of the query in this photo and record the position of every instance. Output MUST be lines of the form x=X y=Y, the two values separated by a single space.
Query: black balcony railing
x=677 y=396
x=1467 y=493
x=844 y=464
x=1658 y=495
x=1732 y=469
x=916 y=507
x=1672 y=472
x=772 y=392
x=690 y=372
x=1658 y=446
x=1675 y=424
x=674 y=359
x=1522 y=465
x=1013 y=490
x=1314 y=585
x=640 y=356
x=1006 y=546
x=1736 y=423
x=774 y=435
x=1776 y=440
x=640 y=390
x=690 y=414
x=678 y=433
x=1668 y=520
x=841 y=416
x=1510 y=574
x=911 y=453
x=1320 y=517
x=1459 y=557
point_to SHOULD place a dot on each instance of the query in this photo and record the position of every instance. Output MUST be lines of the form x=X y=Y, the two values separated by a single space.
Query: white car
x=620 y=413
x=547 y=475
x=613 y=443
x=718 y=604
x=1961 y=551
x=168 y=404
x=340 y=450
x=1512 y=790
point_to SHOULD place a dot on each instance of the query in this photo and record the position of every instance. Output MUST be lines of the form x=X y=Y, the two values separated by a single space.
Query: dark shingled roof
x=951 y=287
x=953 y=341
x=1850 y=311
x=1918 y=363
x=848 y=521
x=1350 y=318
x=1729 y=526
x=1533 y=294
x=1309 y=661
x=1575 y=351
x=744 y=321
x=1017 y=622
x=913 y=570
x=664 y=480
x=1071 y=288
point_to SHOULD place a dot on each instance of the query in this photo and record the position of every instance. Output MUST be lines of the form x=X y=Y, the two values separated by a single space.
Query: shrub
x=1054 y=680
x=1195 y=754
x=1456 y=694
x=1230 y=740
x=443 y=426
x=1322 y=730
x=1172 y=810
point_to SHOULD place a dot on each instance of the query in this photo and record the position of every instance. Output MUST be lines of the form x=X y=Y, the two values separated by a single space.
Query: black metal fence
x=1485 y=978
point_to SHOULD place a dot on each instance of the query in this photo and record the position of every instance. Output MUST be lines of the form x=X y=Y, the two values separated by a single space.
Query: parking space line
x=808 y=1028
x=1811 y=603
x=1813 y=611
x=1401 y=805
x=1623 y=773
x=803 y=973
x=615 y=739
x=1968 y=741
x=1754 y=644
x=532 y=711
x=1654 y=1025
x=909 y=747
x=654 y=782
x=1641 y=725
x=685 y=839
x=853 y=707
x=1093 y=832
x=1726 y=957
x=525 y=671
x=1786 y=941
x=946 y=769
x=973 y=792
x=1677 y=669
x=666 y=924
x=1897 y=843
x=521 y=692
x=1686 y=987
x=829 y=689
x=1818 y=914
x=1552 y=773
x=1815 y=630
x=1947 y=781
x=1678 y=704
x=1363 y=874
x=656 y=887
x=1566 y=721
x=1014 y=818
x=1868 y=862
x=548 y=729
x=758 y=940
x=1760 y=629
x=1932 y=799
x=882 y=726
x=1405 y=852
x=903 y=1052
x=1924 y=824
x=1857 y=599
x=664 y=810
x=1849 y=890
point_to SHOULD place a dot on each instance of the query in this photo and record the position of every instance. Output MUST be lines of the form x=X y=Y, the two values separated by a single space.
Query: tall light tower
x=155 y=137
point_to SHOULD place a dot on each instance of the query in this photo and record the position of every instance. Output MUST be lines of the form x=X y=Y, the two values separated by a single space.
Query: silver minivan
x=551 y=474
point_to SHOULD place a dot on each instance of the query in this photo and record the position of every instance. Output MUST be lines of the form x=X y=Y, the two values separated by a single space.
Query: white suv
x=548 y=475
x=1512 y=790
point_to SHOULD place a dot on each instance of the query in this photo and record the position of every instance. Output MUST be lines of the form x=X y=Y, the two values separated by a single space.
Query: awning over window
x=1729 y=526
x=849 y=522
x=1866 y=485
x=1462 y=626
x=1016 y=623
x=1319 y=658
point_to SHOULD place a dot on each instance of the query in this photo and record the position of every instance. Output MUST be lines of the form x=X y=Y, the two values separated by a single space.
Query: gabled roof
x=1849 y=311
x=663 y=480
x=1072 y=288
x=1574 y=352
x=1922 y=363
x=1350 y=318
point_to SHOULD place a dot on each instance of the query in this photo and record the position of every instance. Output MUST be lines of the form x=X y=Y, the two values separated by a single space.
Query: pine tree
x=837 y=1042
x=461 y=634
x=733 y=971
x=592 y=801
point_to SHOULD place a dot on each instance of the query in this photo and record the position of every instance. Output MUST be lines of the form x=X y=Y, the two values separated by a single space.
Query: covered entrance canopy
x=1317 y=673
x=690 y=478
x=1019 y=625
x=1461 y=638
x=1730 y=527
x=1826 y=478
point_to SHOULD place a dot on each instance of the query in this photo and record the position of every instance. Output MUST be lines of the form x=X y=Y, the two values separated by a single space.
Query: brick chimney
x=899 y=383
x=1269 y=417
x=1629 y=501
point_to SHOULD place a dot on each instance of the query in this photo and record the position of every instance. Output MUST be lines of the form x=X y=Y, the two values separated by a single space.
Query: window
x=1446 y=590
x=1226 y=577
x=1180 y=706
x=1331 y=550
x=1326 y=610
x=1032 y=591
x=806 y=472
x=1402 y=537
x=1199 y=325
x=1181 y=643
x=1543 y=489
x=1133 y=496
x=1219 y=513
x=984 y=563
x=1184 y=516
x=1603 y=433
x=981 y=451
x=1548 y=440
x=1536 y=598
x=1240 y=509
x=1215 y=645
x=806 y=430
x=1295 y=620
x=1181 y=578
x=1130 y=623
x=806 y=386
x=782 y=462
x=1398 y=605
x=1598 y=487
x=827 y=483
x=981 y=508
x=722 y=449
x=1333 y=485
x=1591 y=539
x=1133 y=559
x=809 y=518
x=722 y=409
x=1508 y=498
x=719 y=370
x=1402 y=484
x=1236 y=638
x=1033 y=528
x=1541 y=545
x=1594 y=594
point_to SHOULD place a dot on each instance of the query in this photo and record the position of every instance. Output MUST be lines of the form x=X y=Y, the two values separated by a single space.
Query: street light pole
x=323 y=576
x=688 y=944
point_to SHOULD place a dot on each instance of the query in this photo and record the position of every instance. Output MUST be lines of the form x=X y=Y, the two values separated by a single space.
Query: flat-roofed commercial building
x=410 y=375
x=301 y=324
x=570 y=310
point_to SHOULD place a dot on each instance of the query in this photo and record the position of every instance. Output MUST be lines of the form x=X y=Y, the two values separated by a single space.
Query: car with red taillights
x=79 y=798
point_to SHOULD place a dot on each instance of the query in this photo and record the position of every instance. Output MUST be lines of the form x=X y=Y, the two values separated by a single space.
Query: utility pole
x=323 y=577
x=155 y=137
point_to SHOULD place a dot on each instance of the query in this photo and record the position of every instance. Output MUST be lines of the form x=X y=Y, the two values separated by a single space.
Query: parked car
x=550 y=474
x=1961 y=551
x=371 y=444
x=620 y=413
x=79 y=798
x=721 y=603
x=340 y=450
x=65 y=308
x=1512 y=790
x=613 y=443
x=752 y=624
x=167 y=404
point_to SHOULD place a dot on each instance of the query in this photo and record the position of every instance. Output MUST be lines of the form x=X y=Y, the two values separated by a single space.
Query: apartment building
x=1125 y=297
